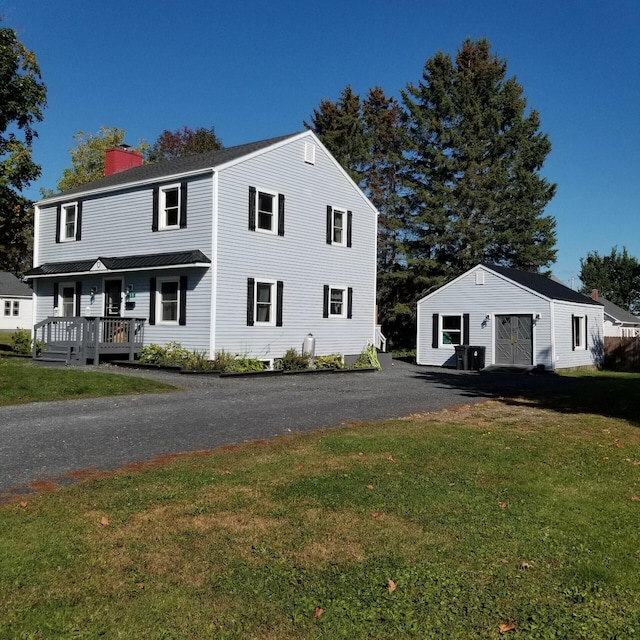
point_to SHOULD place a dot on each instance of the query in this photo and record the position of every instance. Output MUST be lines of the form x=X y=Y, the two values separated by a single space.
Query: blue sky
x=256 y=69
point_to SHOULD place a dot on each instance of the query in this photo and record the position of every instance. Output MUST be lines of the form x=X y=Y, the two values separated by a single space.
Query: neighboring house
x=520 y=318
x=247 y=250
x=16 y=306
x=618 y=323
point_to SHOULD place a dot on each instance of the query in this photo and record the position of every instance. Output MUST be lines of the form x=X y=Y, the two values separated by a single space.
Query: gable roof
x=11 y=287
x=122 y=263
x=179 y=166
x=547 y=287
x=618 y=313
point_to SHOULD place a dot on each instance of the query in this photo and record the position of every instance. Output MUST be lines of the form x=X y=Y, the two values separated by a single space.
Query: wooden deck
x=82 y=339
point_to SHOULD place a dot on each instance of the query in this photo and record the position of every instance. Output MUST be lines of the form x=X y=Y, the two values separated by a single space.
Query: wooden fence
x=622 y=354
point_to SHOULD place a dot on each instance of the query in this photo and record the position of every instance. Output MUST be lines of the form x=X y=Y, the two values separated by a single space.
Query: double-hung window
x=167 y=311
x=169 y=207
x=168 y=300
x=579 y=332
x=339 y=223
x=11 y=307
x=68 y=222
x=338 y=302
x=266 y=211
x=451 y=330
x=264 y=302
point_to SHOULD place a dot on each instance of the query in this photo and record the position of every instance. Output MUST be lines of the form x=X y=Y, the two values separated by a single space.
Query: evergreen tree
x=340 y=127
x=616 y=277
x=22 y=100
x=476 y=194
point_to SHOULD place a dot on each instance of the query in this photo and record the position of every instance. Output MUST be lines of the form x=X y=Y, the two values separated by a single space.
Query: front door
x=112 y=298
x=514 y=340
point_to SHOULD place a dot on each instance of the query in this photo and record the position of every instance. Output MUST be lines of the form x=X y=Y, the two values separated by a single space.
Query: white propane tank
x=309 y=346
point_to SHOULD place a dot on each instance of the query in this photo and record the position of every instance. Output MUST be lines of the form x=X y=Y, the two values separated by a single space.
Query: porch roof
x=101 y=264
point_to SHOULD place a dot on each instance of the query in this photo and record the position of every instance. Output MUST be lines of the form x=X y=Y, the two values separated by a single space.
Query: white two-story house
x=248 y=250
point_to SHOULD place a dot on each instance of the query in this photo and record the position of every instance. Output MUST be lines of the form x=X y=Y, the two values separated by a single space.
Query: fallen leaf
x=391 y=459
x=318 y=613
x=392 y=585
x=618 y=443
x=140 y=585
x=226 y=472
x=524 y=565
x=360 y=453
x=505 y=560
x=23 y=504
x=604 y=458
x=375 y=514
x=451 y=484
x=369 y=486
x=502 y=505
x=503 y=628
x=634 y=498
x=300 y=467
x=555 y=563
x=104 y=521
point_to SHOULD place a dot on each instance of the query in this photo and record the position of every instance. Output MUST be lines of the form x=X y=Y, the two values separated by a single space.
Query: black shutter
x=156 y=209
x=329 y=221
x=279 y=292
x=349 y=224
x=436 y=331
x=586 y=334
x=252 y=208
x=55 y=294
x=251 y=285
x=79 y=221
x=573 y=333
x=465 y=328
x=349 y=303
x=281 y=214
x=325 y=302
x=183 y=205
x=58 y=221
x=182 y=311
x=152 y=301
x=78 y=310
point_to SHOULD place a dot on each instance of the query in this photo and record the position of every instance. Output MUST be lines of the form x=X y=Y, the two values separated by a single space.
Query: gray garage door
x=514 y=340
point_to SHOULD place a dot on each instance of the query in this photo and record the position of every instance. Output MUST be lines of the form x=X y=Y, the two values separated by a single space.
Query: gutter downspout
x=214 y=265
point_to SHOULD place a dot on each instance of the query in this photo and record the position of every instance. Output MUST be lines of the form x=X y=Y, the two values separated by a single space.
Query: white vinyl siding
x=301 y=258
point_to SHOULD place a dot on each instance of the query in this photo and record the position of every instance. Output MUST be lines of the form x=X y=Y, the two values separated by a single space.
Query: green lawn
x=452 y=525
x=21 y=381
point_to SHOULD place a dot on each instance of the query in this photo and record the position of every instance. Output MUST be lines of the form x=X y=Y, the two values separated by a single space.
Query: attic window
x=479 y=277
x=309 y=153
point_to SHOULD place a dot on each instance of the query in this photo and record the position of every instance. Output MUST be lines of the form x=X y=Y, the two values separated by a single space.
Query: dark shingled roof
x=11 y=287
x=618 y=313
x=188 y=164
x=541 y=284
x=148 y=261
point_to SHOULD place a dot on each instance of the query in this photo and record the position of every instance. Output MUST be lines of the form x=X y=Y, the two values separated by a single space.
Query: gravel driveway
x=55 y=440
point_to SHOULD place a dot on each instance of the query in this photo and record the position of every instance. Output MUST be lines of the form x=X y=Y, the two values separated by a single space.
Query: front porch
x=80 y=339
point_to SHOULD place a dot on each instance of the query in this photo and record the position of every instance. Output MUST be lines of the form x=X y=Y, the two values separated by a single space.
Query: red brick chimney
x=118 y=159
x=594 y=294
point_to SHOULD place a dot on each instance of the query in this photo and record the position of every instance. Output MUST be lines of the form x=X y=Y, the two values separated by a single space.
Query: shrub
x=368 y=358
x=227 y=362
x=292 y=361
x=332 y=361
x=20 y=341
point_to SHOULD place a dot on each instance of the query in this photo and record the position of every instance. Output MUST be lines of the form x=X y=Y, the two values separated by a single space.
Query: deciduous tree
x=183 y=142
x=22 y=100
x=616 y=277
x=87 y=157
